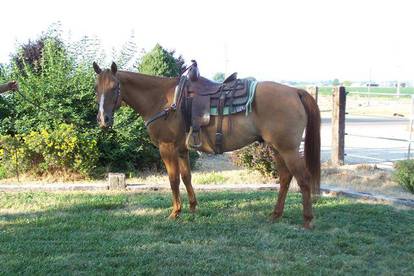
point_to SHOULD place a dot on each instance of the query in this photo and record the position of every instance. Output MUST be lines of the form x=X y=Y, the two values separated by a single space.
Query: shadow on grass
x=231 y=233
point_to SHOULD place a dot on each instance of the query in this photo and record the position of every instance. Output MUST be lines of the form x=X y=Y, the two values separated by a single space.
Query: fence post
x=313 y=90
x=338 y=126
x=116 y=181
x=411 y=128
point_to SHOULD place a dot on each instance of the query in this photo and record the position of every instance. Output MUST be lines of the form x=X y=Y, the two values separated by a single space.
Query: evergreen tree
x=160 y=62
x=219 y=77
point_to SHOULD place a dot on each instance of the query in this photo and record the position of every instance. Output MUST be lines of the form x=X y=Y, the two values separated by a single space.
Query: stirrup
x=191 y=139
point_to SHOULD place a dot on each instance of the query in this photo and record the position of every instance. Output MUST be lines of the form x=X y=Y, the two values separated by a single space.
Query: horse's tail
x=312 y=140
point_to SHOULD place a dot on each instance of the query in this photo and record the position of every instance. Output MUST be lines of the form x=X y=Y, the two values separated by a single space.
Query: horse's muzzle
x=106 y=122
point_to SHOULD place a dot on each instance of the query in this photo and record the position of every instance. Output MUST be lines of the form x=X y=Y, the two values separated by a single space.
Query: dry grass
x=218 y=169
x=212 y=169
x=55 y=177
x=363 y=178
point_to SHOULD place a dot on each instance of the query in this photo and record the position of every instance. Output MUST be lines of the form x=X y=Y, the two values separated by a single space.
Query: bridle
x=117 y=99
x=166 y=111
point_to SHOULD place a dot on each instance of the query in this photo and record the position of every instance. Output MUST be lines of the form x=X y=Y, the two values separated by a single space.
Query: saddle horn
x=194 y=73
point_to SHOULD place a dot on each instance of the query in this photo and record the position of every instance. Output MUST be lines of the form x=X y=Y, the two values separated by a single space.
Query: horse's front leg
x=185 y=171
x=169 y=156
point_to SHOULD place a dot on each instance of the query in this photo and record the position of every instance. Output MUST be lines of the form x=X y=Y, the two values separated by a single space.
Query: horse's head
x=108 y=94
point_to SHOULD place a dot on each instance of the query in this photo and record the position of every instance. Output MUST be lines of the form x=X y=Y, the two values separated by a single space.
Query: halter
x=117 y=91
x=118 y=98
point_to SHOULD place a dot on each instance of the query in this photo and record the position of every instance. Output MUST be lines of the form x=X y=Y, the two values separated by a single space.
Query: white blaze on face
x=101 y=108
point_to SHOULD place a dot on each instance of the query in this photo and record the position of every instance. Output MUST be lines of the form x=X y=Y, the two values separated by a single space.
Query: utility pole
x=398 y=80
x=369 y=84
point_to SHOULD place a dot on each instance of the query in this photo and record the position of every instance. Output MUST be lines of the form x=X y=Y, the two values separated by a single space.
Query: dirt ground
x=218 y=169
x=366 y=178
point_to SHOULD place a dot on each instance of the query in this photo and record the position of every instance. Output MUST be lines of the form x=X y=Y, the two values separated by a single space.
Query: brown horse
x=279 y=116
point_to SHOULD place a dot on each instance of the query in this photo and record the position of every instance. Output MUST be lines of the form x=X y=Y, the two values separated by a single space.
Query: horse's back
x=277 y=117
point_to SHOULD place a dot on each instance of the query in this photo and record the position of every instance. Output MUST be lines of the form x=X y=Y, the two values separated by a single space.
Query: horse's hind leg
x=284 y=179
x=169 y=155
x=296 y=165
x=185 y=171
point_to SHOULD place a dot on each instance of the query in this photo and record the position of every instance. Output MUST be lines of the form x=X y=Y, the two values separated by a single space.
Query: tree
x=219 y=77
x=126 y=56
x=160 y=62
x=335 y=82
x=29 y=55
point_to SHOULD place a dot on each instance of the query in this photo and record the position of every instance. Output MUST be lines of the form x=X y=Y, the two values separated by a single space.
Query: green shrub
x=56 y=94
x=3 y=171
x=64 y=149
x=256 y=156
x=404 y=174
x=127 y=146
x=12 y=155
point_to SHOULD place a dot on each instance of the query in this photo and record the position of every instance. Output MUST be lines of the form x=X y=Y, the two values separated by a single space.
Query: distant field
x=380 y=103
x=327 y=90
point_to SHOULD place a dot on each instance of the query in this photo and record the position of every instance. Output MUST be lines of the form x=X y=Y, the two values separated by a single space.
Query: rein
x=166 y=111
x=161 y=114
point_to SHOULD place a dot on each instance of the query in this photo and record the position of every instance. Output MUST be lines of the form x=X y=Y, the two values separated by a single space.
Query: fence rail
x=379 y=94
x=339 y=101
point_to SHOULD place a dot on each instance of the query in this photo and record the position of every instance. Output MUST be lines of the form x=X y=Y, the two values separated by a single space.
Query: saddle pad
x=239 y=107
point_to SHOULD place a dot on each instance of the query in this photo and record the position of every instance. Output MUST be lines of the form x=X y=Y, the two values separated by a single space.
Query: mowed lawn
x=128 y=233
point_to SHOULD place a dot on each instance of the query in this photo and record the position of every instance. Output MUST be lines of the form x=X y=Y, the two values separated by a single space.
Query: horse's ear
x=114 y=68
x=96 y=67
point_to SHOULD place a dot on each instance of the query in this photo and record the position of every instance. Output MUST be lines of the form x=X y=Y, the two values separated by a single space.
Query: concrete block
x=116 y=181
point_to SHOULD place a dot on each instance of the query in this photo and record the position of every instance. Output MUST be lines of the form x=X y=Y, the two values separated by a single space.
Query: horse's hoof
x=275 y=217
x=193 y=208
x=174 y=215
x=308 y=225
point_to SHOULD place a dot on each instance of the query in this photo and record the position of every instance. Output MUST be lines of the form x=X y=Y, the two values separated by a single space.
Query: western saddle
x=201 y=98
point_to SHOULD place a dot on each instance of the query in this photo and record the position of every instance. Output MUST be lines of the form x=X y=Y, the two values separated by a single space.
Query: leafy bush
x=64 y=149
x=12 y=155
x=256 y=156
x=56 y=82
x=127 y=146
x=63 y=92
x=404 y=174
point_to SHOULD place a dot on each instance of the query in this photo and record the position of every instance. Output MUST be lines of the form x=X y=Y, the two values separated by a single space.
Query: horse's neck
x=147 y=95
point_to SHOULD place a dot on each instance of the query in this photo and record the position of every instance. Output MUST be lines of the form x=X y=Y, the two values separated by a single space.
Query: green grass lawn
x=128 y=233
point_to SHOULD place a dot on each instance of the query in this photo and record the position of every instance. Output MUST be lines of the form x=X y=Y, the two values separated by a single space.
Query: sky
x=270 y=40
